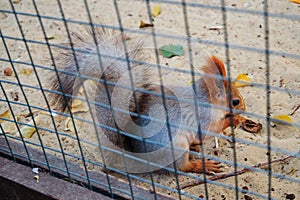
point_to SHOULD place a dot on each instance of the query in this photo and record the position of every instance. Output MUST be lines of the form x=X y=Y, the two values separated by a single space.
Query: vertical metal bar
x=68 y=107
x=47 y=103
x=226 y=45
x=199 y=131
x=268 y=106
x=107 y=92
x=129 y=70
x=163 y=97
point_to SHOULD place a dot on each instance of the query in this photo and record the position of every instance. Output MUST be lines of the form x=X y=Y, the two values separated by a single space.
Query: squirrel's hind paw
x=211 y=166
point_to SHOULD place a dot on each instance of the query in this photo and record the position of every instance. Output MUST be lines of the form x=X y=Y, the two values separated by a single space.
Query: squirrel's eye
x=235 y=102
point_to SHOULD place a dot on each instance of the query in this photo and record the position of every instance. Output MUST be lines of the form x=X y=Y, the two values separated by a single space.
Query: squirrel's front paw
x=212 y=167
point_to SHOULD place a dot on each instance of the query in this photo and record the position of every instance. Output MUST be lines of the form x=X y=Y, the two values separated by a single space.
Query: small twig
x=29 y=114
x=295 y=109
x=242 y=171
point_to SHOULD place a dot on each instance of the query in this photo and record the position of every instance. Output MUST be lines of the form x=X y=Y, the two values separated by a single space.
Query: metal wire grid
x=266 y=51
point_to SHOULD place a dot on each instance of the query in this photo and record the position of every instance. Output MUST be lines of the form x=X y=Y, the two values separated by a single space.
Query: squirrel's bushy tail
x=98 y=54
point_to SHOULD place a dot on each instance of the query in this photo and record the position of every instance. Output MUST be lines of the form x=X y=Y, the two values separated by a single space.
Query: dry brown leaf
x=251 y=126
x=27 y=131
x=156 y=11
x=69 y=124
x=242 y=80
x=26 y=71
x=144 y=24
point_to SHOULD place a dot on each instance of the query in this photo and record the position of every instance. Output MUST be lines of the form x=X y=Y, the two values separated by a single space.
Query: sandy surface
x=243 y=29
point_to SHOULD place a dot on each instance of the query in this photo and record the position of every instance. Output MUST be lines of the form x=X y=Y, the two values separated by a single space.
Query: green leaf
x=171 y=50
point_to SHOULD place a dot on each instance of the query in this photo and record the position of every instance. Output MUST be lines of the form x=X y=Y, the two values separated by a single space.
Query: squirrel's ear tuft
x=220 y=65
x=214 y=65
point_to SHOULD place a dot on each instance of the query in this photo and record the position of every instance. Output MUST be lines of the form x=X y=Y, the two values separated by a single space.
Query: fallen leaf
x=251 y=126
x=295 y=1
x=156 y=11
x=190 y=82
x=282 y=119
x=6 y=115
x=69 y=124
x=79 y=106
x=144 y=24
x=242 y=80
x=8 y=126
x=28 y=130
x=26 y=71
x=171 y=50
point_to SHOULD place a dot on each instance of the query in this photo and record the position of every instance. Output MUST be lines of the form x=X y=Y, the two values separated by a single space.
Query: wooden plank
x=118 y=185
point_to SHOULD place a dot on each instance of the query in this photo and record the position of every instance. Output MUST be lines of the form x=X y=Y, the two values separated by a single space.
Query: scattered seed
x=245 y=188
x=14 y=95
x=37 y=178
x=8 y=71
x=290 y=196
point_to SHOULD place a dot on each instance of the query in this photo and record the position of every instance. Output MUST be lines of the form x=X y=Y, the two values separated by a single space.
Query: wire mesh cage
x=131 y=99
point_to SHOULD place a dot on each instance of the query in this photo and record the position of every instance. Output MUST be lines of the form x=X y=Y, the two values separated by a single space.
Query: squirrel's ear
x=214 y=65
x=220 y=65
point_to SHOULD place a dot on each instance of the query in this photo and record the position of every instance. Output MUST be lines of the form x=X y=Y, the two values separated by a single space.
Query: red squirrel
x=129 y=141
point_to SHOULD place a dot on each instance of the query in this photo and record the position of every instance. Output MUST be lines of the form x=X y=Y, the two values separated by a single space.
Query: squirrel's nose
x=235 y=102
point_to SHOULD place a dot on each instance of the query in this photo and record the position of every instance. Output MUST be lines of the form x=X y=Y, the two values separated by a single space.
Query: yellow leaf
x=190 y=82
x=27 y=131
x=156 y=11
x=295 y=1
x=242 y=80
x=6 y=114
x=69 y=124
x=144 y=24
x=76 y=102
x=26 y=71
x=79 y=106
x=8 y=126
x=283 y=119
